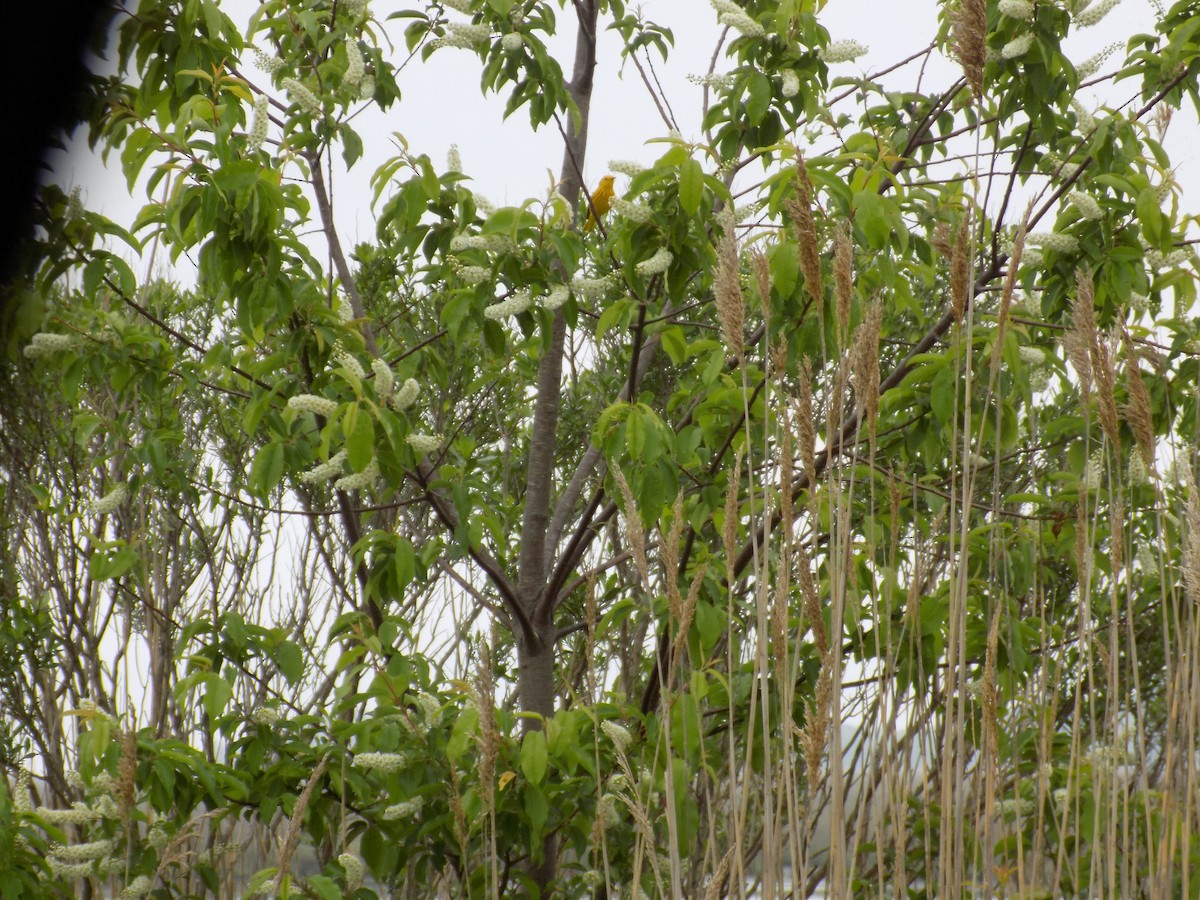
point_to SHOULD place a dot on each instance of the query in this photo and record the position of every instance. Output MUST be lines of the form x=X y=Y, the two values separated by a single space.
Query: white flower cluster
x=474 y=274
x=302 y=96
x=268 y=888
x=626 y=167
x=1017 y=9
x=608 y=811
x=717 y=82
x=517 y=303
x=483 y=205
x=453 y=159
x=791 y=83
x=73 y=853
x=657 y=264
x=463 y=36
x=380 y=762
x=1092 y=472
x=591 y=288
x=1087 y=122
x=268 y=64
x=741 y=213
x=157 y=837
x=318 y=406
x=1018 y=46
x=556 y=297
x=1053 y=240
x=359 y=480
x=841 y=51
x=512 y=42
x=326 y=471
x=424 y=443
x=258 y=123
x=1137 y=469
x=355 y=7
x=344 y=311
x=79 y=814
x=635 y=212
x=385 y=381
x=1061 y=796
x=406 y=810
x=354 y=870
x=1093 y=14
x=69 y=871
x=110 y=502
x=1092 y=64
x=1032 y=258
x=1086 y=204
x=139 y=887
x=265 y=715
x=1032 y=356
x=743 y=23
x=1016 y=805
x=618 y=734
x=1139 y=303
x=429 y=705
x=492 y=243
x=348 y=361
x=462 y=6
x=21 y=802
x=1159 y=260
x=45 y=343
x=366 y=89
x=354 y=63
x=406 y=395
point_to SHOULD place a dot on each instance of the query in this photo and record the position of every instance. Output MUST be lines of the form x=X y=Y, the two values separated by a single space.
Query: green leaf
x=1150 y=216
x=941 y=395
x=267 y=469
x=691 y=186
x=290 y=660
x=759 y=100
x=870 y=214
x=359 y=429
x=217 y=692
x=533 y=756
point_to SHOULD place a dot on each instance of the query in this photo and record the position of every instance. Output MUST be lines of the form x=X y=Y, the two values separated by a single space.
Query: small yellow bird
x=601 y=201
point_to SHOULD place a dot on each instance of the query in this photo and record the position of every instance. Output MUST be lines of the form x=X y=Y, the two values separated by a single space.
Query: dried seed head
x=843 y=280
x=801 y=212
x=1137 y=410
x=960 y=269
x=970 y=41
x=731 y=307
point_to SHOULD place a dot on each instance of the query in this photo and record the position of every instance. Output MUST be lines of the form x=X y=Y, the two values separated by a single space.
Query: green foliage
x=721 y=489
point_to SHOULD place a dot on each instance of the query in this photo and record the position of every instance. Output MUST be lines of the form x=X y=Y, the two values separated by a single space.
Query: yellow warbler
x=601 y=201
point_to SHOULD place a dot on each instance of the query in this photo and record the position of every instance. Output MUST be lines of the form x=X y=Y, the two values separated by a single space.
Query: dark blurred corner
x=48 y=43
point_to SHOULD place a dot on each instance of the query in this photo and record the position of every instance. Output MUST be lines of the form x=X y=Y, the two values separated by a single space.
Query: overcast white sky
x=442 y=105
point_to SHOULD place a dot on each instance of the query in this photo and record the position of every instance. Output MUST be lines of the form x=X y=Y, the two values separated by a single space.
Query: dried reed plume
x=125 y=790
x=1077 y=340
x=761 y=267
x=800 y=210
x=670 y=558
x=1191 y=548
x=730 y=529
x=811 y=601
x=1009 y=288
x=633 y=528
x=960 y=268
x=843 y=281
x=489 y=732
x=1103 y=371
x=866 y=365
x=731 y=307
x=288 y=847
x=806 y=427
x=970 y=41
x=816 y=722
x=1137 y=410
x=1116 y=521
